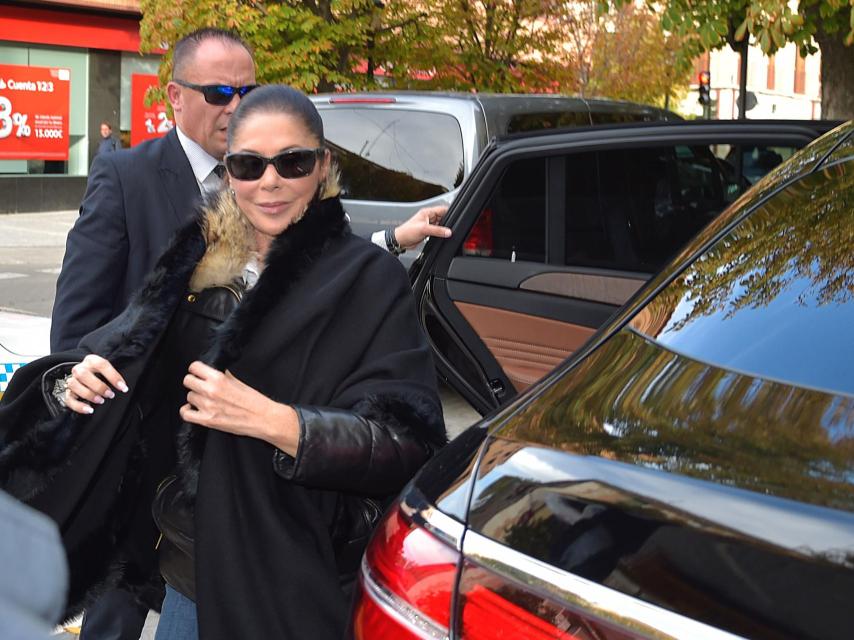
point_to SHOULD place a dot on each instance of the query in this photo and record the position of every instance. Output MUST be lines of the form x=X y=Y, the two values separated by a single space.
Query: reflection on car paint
x=731 y=558
x=758 y=288
x=669 y=412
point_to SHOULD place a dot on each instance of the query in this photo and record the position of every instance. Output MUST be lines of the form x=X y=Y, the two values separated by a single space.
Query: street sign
x=750 y=100
x=34 y=104
x=146 y=122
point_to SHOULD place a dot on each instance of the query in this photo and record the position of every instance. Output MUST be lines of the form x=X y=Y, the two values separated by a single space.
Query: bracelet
x=60 y=386
x=391 y=242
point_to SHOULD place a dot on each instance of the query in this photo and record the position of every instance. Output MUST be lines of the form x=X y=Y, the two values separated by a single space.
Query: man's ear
x=173 y=92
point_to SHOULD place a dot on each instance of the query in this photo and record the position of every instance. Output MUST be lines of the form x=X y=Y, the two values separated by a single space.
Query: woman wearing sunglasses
x=266 y=383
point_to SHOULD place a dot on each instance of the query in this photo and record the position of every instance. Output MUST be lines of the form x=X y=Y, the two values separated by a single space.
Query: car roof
x=816 y=127
x=500 y=109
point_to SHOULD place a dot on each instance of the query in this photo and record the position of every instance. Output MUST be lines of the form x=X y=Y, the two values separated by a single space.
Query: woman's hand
x=220 y=401
x=86 y=385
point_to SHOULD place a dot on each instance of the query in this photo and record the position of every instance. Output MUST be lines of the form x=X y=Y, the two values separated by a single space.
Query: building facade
x=95 y=45
x=785 y=85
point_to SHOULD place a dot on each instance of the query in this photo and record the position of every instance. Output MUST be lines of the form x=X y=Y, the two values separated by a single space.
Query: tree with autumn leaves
x=712 y=24
x=480 y=45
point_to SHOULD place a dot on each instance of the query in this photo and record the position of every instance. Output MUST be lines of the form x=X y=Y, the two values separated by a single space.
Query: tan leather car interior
x=526 y=347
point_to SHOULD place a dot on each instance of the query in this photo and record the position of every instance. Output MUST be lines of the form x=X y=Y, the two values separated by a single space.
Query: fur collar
x=212 y=251
x=228 y=237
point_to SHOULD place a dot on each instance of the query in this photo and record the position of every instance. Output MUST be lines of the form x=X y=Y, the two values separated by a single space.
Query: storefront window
x=77 y=62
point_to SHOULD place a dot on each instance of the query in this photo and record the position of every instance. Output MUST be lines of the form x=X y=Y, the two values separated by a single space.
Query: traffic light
x=705 y=98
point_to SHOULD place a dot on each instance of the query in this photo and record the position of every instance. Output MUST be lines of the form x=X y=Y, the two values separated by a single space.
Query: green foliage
x=482 y=45
x=622 y=53
x=485 y=45
x=310 y=45
x=711 y=24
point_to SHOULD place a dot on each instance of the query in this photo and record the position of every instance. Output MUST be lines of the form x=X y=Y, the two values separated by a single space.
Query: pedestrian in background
x=317 y=392
x=108 y=141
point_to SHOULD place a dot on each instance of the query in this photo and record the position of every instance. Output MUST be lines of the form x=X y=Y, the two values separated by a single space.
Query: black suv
x=688 y=473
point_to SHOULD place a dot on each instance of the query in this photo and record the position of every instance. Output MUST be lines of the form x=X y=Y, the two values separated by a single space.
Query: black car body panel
x=696 y=455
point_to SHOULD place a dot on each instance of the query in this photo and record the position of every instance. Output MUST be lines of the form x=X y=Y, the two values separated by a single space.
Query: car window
x=512 y=225
x=783 y=276
x=626 y=116
x=395 y=155
x=547 y=120
x=651 y=201
x=624 y=209
x=756 y=160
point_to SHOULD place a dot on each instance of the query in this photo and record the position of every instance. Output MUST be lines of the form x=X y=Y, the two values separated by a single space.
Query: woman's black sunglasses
x=218 y=94
x=296 y=163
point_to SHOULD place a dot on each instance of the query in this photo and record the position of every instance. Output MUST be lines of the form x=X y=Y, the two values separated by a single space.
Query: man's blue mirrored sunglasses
x=218 y=94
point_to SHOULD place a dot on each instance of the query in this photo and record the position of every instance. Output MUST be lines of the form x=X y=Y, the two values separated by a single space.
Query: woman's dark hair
x=276 y=98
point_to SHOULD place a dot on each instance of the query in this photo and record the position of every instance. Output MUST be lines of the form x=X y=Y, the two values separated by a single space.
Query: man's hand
x=220 y=401
x=424 y=223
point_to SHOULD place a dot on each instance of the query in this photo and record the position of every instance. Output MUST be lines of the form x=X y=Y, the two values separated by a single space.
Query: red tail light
x=406 y=585
x=408 y=577
x=479 y=241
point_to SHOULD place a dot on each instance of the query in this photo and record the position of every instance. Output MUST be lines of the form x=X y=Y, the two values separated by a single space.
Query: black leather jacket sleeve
x=344 y=451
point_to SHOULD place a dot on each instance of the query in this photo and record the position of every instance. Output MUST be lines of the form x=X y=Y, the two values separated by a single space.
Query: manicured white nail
x=98 y=400
x=109 y=393
x=122 y=386
x=88 y=409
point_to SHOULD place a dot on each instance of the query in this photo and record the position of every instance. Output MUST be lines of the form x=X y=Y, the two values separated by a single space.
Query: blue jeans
x=178 y=620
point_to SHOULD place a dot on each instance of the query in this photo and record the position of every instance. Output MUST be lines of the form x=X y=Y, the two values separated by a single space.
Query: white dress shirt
x=201 y=162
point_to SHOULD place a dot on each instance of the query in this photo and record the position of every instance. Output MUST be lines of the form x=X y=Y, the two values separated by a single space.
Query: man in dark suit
x=136 y=199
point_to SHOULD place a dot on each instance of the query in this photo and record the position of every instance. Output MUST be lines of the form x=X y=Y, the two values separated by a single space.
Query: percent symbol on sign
x=22 y=129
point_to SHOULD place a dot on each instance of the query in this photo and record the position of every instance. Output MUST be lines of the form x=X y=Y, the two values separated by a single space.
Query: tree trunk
x=837 y=76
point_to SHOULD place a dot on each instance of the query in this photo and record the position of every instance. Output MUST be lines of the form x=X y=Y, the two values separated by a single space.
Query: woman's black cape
x=331 y=322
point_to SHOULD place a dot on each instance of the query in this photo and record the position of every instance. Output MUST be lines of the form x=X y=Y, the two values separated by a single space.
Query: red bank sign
x=146 y=122
x=34 y=112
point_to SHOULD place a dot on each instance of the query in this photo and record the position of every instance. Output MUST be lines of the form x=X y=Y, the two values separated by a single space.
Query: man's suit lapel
x=178 y=180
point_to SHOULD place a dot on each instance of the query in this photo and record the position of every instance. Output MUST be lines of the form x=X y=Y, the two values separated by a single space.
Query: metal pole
x=742 y=83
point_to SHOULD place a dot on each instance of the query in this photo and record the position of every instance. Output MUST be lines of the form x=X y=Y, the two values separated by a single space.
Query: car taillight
x=406 y=583
x=479 y=240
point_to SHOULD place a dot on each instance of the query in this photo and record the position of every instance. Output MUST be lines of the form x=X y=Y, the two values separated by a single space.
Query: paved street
x=31 y=250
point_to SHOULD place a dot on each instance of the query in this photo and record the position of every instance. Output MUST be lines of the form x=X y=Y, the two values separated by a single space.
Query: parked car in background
x=402 y=151
x=689 y=473
x=554 y=231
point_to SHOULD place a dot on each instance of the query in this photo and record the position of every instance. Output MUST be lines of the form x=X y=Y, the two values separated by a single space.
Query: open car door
x=553 y=233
